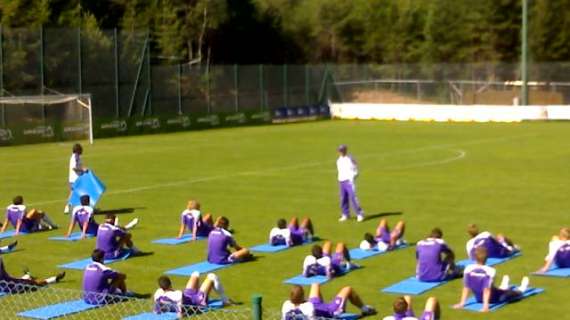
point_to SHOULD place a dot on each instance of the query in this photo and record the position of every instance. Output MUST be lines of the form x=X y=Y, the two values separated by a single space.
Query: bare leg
x=294 y=223
x=502 y=238
x=126 y=241
x=35 y=215
x=382 y=225
x=206 y=286
x=307 y=224
x=315 y=291
x=207 y=219
x=327 y=248
x=408 y=301
x=119 y=283
x=193 y=281
x=341 y=249
x=349 y=294
x=432 y=305
x=397 y=233
x=241 y=254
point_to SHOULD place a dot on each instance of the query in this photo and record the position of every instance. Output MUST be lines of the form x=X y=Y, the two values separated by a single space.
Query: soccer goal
x=62 y=117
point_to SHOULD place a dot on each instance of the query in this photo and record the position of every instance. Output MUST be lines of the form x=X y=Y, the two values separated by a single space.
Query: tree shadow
x=381 y=215
x=117 y=211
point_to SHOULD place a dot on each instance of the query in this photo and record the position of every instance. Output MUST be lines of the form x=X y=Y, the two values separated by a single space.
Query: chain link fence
x=16 y=298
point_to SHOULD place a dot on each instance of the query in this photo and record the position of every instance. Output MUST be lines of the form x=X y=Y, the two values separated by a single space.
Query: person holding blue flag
x=76 y=169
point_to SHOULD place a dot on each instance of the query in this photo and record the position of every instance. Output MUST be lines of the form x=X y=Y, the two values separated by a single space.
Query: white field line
x=294 y=167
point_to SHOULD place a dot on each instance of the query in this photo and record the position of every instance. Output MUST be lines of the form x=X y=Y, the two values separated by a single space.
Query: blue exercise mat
x=412 y=286
x=2 y=294
x=10 y=233
x=76 y=236
x=554 y=272
x=212 y=305
x=81 y=264
x=347 y=316
x=174 y=241
x=202 y=267
x=306 y=281
x=472 y=305
x=88 y=184
x=58 y=310
x=269 y=248
x=490 y=261
x=359 y=254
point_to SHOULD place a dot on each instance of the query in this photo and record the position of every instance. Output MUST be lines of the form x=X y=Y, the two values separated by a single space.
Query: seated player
x=478 y=278
x=403 y=309
x=322 y=262
x=10 y=284
x=292 y=234
x=112 y=239
x=167 y=299
x=100 y=281
x=192 y=219
x=220 y=241
x=436 y=261
x=26 y=221
x=558 y=251
x=384 y=239
x=8 y=248
x=497 y=246
x=83 y=216
x=298 y=308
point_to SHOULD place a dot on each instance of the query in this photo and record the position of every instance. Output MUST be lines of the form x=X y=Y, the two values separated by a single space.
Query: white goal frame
x=48 y=100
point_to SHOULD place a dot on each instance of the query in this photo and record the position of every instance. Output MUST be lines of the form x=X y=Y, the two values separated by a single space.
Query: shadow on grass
x=382 y=215
x=118 y=211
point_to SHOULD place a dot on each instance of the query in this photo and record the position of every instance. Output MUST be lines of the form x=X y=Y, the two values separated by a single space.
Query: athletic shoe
x=360 y=218
x=524 y=284
x=59 y=276
x=505 y=282
x=66 y=209
x=12 y=245
x=343 y=218
x=132 y=224
x=368 y=311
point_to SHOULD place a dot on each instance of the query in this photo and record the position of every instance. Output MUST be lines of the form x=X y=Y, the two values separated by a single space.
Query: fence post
x=236 y=87
x=116 y=53
x=256 y=307
x=179 y=89
x=307 y=86
x=285 y=86
x=42 y=66
x=261 y=88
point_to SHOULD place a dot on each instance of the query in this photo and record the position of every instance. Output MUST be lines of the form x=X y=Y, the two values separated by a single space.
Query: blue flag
x=88 y=184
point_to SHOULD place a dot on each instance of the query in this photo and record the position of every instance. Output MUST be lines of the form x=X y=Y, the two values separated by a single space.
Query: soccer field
x=510 y=178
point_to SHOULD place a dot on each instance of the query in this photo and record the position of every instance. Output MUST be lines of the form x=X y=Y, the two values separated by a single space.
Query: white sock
x=524 y=284
x=505 y=283
x=132 y=224
x=218 y=286
x=116 y=221
x=66 y=210
x=4 y=249
x=51 y=280
x=26 y=277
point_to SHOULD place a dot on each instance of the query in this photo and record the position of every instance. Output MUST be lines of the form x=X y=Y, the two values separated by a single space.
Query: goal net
x=47 y=117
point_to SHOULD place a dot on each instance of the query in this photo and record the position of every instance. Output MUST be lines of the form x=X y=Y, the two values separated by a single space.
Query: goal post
x=47 y=117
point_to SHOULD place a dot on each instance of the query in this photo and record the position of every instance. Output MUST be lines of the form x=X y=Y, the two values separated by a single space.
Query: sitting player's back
x=218 y=242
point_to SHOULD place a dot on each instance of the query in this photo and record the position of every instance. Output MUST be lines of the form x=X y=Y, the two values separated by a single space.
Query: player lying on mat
x=100 y=281
x=498 y=246
x=26 y=220
x=220 y=241
x=478 y=278
x=558 y=251
x=435 y=260
x=192 y=219
x=10 y=284
x=384 y=239
x=111 y=238
x=403 y=309
x=299 y=308
x=166 y=299
x=292 y=234
x=322 y=262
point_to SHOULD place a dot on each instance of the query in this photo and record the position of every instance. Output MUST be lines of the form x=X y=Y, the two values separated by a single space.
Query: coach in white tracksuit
x=347 y=172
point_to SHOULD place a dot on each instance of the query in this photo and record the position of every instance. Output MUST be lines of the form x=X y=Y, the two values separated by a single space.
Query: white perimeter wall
x=422 y=112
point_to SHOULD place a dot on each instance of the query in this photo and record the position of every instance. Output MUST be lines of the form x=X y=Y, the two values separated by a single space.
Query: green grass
x=512 y=179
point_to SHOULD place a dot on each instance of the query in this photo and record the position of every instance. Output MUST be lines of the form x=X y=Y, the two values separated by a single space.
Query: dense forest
x=315 y=31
